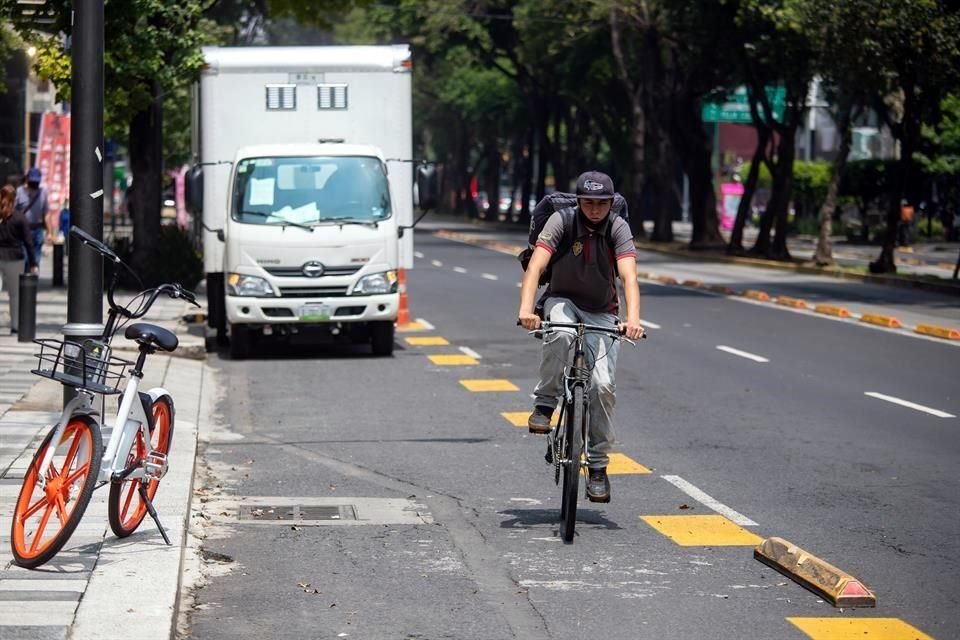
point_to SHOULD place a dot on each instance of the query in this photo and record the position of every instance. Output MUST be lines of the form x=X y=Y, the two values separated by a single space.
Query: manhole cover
x=265 y=512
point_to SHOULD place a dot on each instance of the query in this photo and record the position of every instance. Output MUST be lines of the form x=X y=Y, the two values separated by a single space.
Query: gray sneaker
x=598 y=485
x=539 y=420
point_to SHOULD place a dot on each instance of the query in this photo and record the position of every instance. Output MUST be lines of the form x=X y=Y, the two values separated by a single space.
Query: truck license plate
x=315 y=312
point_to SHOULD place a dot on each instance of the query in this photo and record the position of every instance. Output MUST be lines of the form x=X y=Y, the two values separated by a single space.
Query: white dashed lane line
x=470 y=352
x=436 y=263
x=649 y=325
x=417 y=254
x=909 y=405
x=489 y=276
x=710 y=502
x=742 y=354
x=459 y=269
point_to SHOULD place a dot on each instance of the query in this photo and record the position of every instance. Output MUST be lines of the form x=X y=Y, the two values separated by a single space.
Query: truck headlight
x=239 y=284
x=374 y=283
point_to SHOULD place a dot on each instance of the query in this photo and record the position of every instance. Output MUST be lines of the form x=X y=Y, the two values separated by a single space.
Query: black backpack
x=566 y=204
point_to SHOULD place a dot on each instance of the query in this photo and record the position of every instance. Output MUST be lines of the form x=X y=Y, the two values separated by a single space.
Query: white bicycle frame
x=132 y=418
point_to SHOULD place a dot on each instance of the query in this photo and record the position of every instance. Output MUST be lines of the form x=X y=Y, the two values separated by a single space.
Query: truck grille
x=312 y=292
x=297 y=272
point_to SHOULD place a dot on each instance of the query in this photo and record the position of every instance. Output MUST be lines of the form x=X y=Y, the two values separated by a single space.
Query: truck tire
x=239 y=342
x=381 y=338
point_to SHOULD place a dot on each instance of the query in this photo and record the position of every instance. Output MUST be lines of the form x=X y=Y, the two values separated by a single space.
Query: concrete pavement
x=98 y=584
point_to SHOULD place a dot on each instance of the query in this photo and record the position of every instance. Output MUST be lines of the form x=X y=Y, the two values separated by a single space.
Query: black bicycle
x=566 y=444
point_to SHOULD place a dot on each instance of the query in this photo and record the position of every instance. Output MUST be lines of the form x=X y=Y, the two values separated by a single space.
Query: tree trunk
x=146 y=165
x=823 y=255
x=784 y=184
x=749 y=188
x=491 y=176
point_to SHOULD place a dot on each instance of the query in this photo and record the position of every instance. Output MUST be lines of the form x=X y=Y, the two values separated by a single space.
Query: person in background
x=32 y=202
x=16 y=247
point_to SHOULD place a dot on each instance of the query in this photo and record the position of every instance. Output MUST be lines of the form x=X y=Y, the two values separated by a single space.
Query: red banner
x=53 y=158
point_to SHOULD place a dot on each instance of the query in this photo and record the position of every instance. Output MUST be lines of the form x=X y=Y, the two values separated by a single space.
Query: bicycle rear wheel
x=125 y=507
x=46 y=514
x=572 y=453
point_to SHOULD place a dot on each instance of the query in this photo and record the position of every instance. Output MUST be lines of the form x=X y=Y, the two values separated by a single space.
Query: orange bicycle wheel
x=126 y=508
x=50 y=505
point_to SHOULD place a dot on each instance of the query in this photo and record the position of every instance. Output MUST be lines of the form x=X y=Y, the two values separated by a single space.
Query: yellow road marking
x=489 y=384
x=702 y=531
x=412 y=326
x=427 y=341
x=519 y=418
x=452 y=359
x=621 y=464
x=858 y=629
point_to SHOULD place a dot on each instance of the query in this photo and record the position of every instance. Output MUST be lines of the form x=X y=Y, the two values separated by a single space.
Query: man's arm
x=627 y=269
x=528 y=290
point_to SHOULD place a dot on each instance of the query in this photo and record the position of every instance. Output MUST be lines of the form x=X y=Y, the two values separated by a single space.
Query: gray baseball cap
x=594 y=185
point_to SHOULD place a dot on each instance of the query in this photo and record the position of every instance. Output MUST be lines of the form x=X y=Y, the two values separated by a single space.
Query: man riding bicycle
x=582 y=288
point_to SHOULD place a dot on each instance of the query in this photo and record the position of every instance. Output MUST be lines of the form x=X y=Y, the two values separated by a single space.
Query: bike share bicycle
x=567 y=443
x=71 y=461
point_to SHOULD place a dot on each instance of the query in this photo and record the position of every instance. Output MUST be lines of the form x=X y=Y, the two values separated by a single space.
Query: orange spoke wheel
x=126 y=507
x=52 y=501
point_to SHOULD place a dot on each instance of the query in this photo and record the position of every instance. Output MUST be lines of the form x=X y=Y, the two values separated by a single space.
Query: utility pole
x=85 y=291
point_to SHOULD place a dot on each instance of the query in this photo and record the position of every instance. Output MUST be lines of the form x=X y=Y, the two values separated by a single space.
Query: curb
x=819 y=576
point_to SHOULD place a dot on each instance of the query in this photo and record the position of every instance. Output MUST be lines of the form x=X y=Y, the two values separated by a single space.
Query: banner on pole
x=53 y=158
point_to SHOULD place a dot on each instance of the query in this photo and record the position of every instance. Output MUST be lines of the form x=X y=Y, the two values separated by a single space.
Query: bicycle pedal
x=155 y=465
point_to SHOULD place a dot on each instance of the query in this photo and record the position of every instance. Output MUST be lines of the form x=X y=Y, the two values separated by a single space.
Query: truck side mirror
x=427 y=188
x=193 y=189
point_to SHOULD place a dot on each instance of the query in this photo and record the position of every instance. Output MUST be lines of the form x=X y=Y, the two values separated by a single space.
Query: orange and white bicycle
x=71 y=461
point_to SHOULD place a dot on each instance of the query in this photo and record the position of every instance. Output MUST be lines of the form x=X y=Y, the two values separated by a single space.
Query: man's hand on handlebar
x=631 y=330
x=529 y=321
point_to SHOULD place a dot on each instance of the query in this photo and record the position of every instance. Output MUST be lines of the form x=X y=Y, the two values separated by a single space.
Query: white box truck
x=304 y=182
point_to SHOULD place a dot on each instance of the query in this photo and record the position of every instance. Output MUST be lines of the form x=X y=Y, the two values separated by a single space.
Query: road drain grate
x=297 y=512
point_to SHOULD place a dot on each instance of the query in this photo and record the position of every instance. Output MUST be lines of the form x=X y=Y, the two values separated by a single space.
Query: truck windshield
x=309 y=191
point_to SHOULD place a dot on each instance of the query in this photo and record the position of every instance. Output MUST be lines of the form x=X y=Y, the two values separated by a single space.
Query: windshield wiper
x=284 y=222
x=342 y=220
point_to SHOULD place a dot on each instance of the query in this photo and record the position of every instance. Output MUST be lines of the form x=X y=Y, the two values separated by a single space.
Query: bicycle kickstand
x=153 y=512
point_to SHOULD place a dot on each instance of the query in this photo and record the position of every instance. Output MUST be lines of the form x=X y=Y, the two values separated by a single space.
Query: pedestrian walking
x=31 y=200
x=905 y=228
x=16 y=249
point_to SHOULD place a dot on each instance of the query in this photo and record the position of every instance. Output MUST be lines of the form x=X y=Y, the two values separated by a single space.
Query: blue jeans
x=37 y=235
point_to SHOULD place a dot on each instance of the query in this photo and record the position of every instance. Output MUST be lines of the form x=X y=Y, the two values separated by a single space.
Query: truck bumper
x=312 y=311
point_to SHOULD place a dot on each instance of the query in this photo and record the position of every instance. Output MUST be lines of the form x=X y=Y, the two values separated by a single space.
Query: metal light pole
x=85 y=290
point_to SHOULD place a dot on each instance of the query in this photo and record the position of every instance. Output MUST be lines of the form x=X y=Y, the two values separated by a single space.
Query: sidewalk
x=98 y=583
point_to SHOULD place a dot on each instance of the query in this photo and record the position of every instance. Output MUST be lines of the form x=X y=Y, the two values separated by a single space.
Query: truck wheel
x=239 y=341
x=381 y=338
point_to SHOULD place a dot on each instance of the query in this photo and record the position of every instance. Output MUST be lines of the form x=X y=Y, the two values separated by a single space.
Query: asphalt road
x=762 y=409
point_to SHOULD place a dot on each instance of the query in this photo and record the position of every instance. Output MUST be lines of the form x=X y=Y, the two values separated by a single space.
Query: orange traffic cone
x=403 y=314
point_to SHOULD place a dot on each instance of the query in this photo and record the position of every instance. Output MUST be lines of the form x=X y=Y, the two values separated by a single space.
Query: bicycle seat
x=151 y=334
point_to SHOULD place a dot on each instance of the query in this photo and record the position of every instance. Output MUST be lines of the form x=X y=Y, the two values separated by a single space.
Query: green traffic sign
x=736 y=109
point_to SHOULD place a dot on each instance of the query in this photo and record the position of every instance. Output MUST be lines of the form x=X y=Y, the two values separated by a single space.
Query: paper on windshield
x=261 y=191
x=306 y=214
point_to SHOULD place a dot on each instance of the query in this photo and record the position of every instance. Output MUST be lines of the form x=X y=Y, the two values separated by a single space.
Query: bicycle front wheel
x=125 y=507
x=52 y=502
x=572 y=453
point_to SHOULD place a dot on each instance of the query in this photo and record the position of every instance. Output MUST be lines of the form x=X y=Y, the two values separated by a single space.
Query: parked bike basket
x=85 y=365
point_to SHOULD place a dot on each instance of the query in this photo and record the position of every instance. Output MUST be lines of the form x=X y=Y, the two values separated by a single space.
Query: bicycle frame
x=131 y=418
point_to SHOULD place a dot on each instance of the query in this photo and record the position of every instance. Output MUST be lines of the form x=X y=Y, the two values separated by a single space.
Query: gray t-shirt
x=38 y=205
x=586 y=272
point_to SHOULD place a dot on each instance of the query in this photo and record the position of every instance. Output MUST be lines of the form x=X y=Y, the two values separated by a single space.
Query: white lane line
x=417 y=254
x=459 y=269
x=489 y=276
x=707 y=501
x=648 y=324
x=426 y=325
x=908 y=404
x=436 y=263
x=742 y=354
x=470 y=352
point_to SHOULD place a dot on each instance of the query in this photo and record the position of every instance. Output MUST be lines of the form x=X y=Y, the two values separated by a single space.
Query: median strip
x=819 y=576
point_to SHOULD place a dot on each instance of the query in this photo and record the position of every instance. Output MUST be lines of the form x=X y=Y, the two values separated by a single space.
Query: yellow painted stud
x=622 y=465
x=858 y=629
x=489 y=384
x=519 y=418
x=703 y=531
x=452 y=359
x=427 y=341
